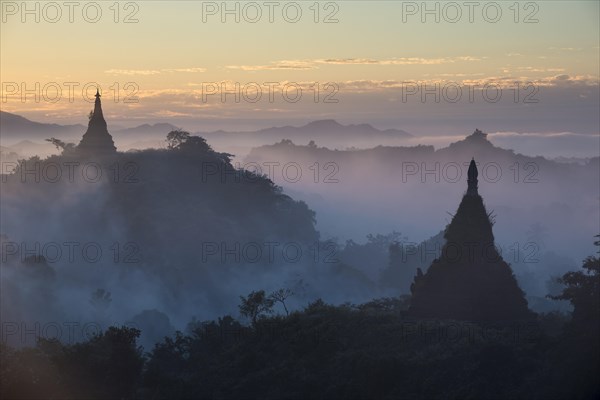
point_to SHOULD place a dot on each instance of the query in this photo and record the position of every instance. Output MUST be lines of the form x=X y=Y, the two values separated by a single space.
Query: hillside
x=16 y=127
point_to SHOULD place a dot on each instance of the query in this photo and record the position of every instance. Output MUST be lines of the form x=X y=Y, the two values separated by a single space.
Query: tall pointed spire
x=96 y=139
x=98 y=105
x=469 y=280
x=472 y=179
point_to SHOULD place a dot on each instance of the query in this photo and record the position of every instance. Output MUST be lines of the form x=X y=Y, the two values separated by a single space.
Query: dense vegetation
x=169 y=224
x=367 y=351
x=169 y=202
x=192 y=188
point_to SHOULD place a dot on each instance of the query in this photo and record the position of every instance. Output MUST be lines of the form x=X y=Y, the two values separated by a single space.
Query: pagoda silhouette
x=470 y=280
x=96 y=140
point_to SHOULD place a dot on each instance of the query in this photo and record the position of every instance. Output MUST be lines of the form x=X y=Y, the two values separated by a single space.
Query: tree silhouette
x=281 y=296
x=109 y=364
x=60 y=145
x=255 y=305
x=176 y=138
x=582 y=289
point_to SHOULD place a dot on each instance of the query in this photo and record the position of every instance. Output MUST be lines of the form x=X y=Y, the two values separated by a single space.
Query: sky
x=428 y=68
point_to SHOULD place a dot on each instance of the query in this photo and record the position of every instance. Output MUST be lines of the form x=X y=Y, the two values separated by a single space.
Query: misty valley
x=176 y=272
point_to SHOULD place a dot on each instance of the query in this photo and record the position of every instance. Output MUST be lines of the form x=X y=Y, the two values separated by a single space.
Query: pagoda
x=96 y=140
x=469 y=280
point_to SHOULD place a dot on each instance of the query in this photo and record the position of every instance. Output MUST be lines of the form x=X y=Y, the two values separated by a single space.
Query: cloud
x=399 y=61
x=345 y=61
x=565 y=48
x=509 y=81
x=190 y=101
x=281 y=65
x=146 y=72
x=461 y=75
x=169 y=114
x=132 y=72
x=195 y=69
x=533 y=69
x=314 y=64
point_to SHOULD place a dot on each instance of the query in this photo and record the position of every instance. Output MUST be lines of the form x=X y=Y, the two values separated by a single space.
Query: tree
x=176 y=138
x=577 y=356
x=182 y=140
x=61 y=145
x=195 y=143
x=281 y=296
x=255 y=305
x=109 y=365
x=582 y=289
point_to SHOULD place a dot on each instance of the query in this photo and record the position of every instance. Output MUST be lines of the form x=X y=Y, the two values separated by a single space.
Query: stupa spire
x=98 y=108
x=97 y=140
x=469 y=280
x=472 y=179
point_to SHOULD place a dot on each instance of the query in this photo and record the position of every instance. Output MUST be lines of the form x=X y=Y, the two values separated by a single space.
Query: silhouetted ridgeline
x=20 y=127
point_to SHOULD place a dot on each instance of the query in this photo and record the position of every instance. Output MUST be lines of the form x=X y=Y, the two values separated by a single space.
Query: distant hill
x=327 y=132
x=146 y=136
x=329 y=128
x=523 y=189
x=139 y=132
x=16 y=127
